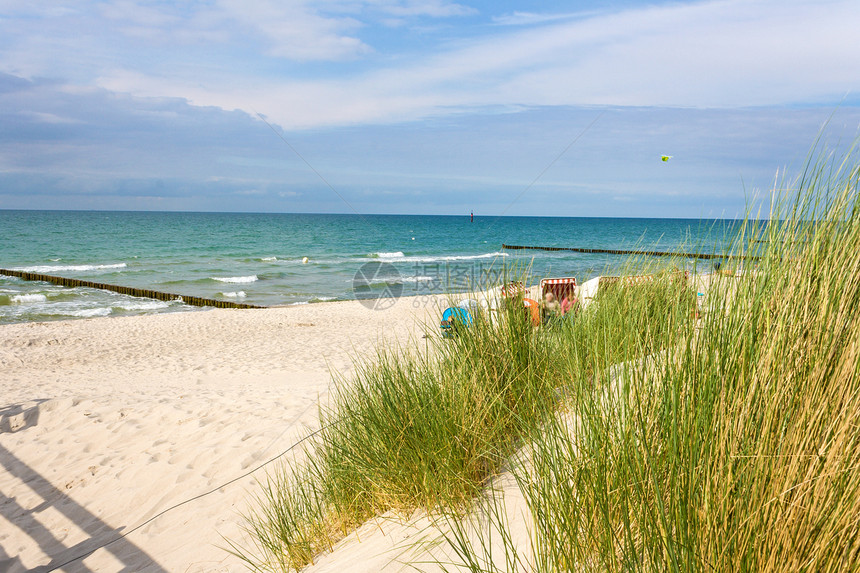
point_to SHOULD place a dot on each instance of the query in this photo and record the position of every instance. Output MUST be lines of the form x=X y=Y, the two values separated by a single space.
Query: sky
x=421 y=107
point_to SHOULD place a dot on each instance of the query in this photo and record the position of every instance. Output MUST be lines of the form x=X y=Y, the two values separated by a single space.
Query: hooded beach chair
x=561 y=288
x=514 y=289
x=677 y=277
x=453 y=318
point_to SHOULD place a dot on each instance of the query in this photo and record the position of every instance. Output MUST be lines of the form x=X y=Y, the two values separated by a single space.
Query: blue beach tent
x=452 y=317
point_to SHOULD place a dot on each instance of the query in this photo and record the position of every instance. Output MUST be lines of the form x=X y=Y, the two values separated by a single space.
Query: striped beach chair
x=678 y=277
x=560 y=287
x=514 y=289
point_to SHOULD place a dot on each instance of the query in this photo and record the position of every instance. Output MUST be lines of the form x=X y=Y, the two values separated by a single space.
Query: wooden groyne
x=131 y=291
x=626 y=252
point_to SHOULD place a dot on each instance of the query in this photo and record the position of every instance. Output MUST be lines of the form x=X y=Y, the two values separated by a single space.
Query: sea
x=290 y=259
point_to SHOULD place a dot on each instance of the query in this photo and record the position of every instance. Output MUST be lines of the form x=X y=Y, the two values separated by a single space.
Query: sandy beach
x=105 y=423
x=108 y=423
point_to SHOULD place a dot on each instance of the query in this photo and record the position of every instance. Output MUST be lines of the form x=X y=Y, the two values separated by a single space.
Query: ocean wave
x=416 y=279
x=29 y=298
x=382 y=255
x=399 y=257
x=237 y=280
x=144 y=305
x=90 y=312
x=267 y=259
x=460 y=257
x=394 y=280
x=237 y=294
x=44 y=269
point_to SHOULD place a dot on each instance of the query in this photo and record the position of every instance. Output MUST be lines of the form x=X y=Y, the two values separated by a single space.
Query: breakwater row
x=627 y=252
x=130 y=291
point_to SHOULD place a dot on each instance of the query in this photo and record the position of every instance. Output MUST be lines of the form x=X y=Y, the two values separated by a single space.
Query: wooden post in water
x=625 y=252
x=131 y=291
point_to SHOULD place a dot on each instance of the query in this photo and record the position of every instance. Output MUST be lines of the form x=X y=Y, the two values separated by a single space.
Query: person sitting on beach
x=550 y=306
x=567 y=303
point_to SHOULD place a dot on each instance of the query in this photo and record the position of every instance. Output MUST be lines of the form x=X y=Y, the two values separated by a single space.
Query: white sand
x=106 y=422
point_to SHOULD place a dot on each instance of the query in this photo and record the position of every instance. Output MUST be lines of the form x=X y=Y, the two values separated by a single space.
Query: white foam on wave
x=144 y=305
x=391 y=280
x=269 y=259
x=29 y=298
x=237 y=294
x=457 y=257
x=237 y=280
x=90 y=312
x=59 y=268
x=400 y=257
x=393 y=255
x=416 y=279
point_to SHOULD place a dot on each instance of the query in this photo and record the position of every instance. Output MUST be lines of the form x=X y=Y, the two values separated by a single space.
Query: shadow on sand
x=99 y=533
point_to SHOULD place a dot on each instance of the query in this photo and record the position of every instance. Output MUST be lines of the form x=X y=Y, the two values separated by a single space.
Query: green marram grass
x=737 y=447
x=426 y=430
x=650 y=436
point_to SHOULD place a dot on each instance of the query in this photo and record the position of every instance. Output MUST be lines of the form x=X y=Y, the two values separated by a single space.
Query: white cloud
x=532 y=18
x=434 y=8
x=140 y=13
x=297 y=30
x=710 y=54
x=722 y=53
x=50 y=118
x=36 y=8
x=236 y=55
x=294 y=30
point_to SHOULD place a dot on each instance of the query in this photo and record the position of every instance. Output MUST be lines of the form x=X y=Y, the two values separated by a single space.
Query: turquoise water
x=258 y=258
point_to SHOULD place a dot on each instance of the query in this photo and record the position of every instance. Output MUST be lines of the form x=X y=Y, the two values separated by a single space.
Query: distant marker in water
x=665 y=158
x=413 y=238
x=304 y=260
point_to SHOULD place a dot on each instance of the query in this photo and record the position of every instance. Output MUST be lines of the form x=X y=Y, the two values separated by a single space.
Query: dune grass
x=735 y=449
x=426 y=430
x=655 y=441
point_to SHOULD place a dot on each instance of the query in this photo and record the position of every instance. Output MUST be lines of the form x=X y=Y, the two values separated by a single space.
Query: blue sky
x=425 y=107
